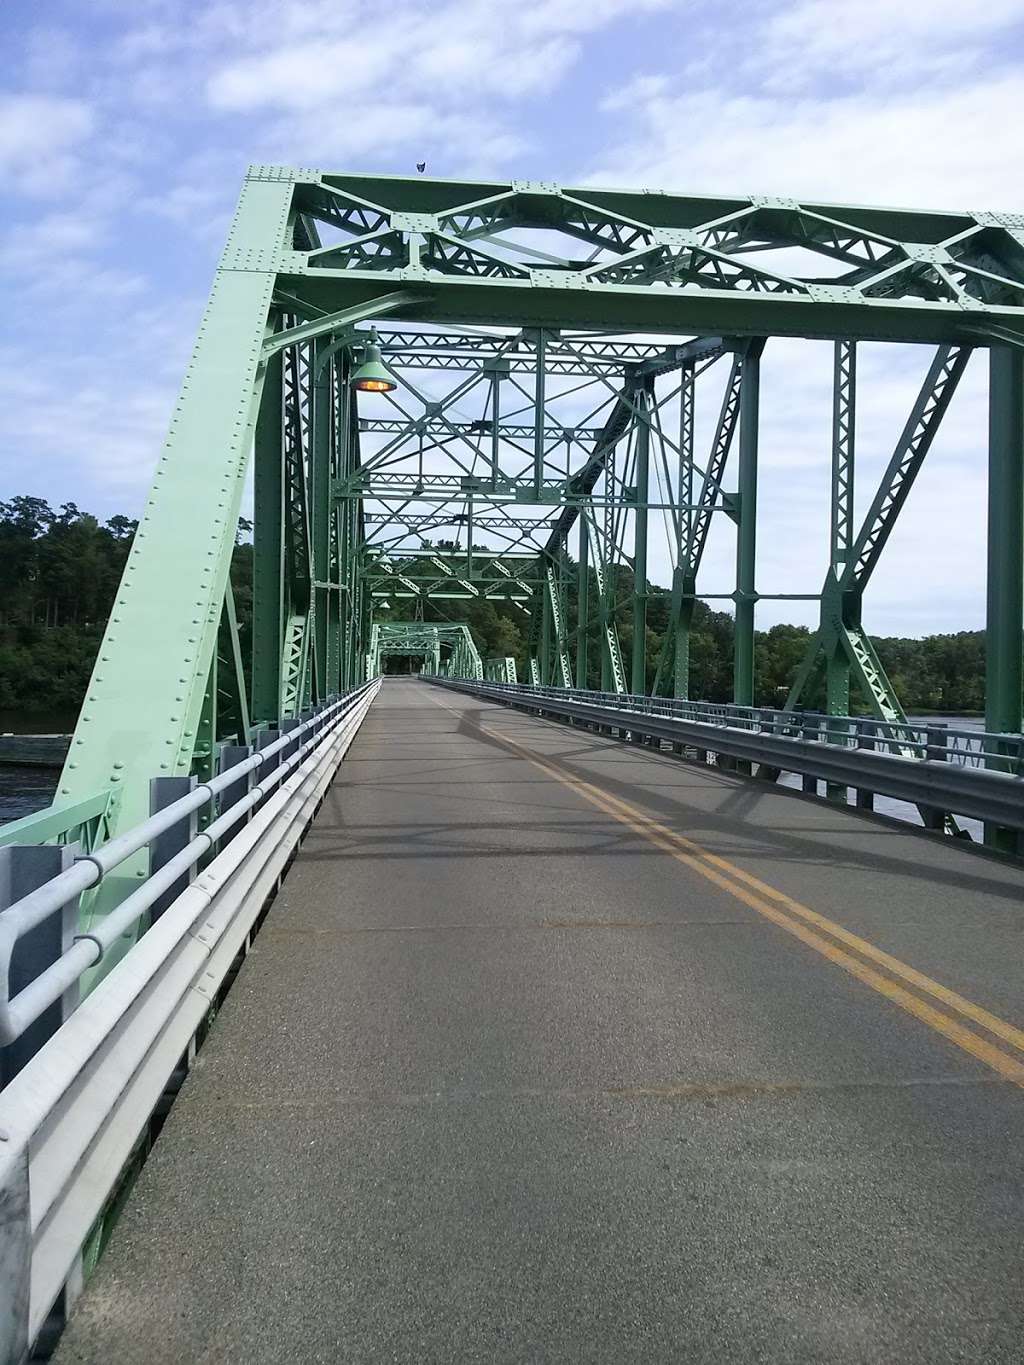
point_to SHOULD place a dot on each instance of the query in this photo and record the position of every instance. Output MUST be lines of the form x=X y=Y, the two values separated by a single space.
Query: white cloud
x=444 y=56
x=39 y=135
x=300 y=76
x=106 y=433
x=71 y=428
x=874 y=38
x=36 y=242
x=930 y=148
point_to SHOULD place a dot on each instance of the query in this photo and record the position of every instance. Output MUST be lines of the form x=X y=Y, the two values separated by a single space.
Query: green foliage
x=58 y=568
x=938 y=673
x=59 y=572
x=46 y=668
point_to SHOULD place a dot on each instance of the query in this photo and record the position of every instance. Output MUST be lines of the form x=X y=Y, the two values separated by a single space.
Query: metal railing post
x=863 y=798
x=230 y=755
x=287 y=726
x=262 y=741
x=835 y=791
x=935 y=750
x=809 y=784
x=163 y=791
x=936 y=746
x=24 y=868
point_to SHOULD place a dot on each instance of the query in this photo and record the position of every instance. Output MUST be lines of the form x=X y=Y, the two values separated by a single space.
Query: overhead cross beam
x=678 y=263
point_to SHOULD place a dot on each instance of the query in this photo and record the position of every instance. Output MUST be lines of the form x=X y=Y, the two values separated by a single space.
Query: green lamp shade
x=372 y=377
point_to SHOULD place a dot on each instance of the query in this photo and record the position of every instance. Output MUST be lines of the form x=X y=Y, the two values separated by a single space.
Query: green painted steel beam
x=583 y=605
x=1004 y=622
x=638 y=671
x=746 y=530
x=268 y=546
x=911 y=276
x=142 y=708
x=64 y=822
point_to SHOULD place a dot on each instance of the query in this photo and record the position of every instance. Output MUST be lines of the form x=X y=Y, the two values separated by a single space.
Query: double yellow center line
x=906 y=987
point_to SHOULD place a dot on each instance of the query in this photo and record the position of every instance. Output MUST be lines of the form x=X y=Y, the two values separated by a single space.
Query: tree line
x=939 y=673
x=59 y=571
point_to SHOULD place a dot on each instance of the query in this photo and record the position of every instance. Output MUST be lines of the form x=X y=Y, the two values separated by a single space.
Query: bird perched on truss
x=421 y=166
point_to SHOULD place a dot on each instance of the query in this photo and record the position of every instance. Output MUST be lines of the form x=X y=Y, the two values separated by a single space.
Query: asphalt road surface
x=555 y=1049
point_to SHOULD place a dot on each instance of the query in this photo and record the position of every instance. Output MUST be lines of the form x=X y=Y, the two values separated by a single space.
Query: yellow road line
x=991 y=1022
x=773 y=905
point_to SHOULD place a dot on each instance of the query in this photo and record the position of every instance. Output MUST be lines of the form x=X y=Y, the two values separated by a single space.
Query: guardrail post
x=162 y=792
x=230 y=755
x=935 y=750
x=864 y=799
x=809 y=784
x=263 y=741
x=835 y=791
x=23 y=868
x=743 y=717
x=287 y=726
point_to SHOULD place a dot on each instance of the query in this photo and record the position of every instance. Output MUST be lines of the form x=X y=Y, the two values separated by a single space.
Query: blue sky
x=125 y=127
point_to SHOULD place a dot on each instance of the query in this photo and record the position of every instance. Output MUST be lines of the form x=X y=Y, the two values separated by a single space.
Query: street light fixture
x=372 y=377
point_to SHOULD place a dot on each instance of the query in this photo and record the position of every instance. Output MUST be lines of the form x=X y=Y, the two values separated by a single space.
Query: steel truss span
x=459 y=397
x=543 y=352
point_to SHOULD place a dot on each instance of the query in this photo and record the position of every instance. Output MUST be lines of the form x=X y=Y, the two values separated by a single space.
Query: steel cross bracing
x=539 y=455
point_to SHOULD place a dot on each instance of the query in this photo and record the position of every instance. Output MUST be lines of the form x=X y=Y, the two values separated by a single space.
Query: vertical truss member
x=840 y=641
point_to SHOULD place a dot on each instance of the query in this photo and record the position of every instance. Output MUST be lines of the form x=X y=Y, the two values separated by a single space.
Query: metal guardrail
x=71 y=1118
x=928 y=739
x=89 y=869
x=966 y=773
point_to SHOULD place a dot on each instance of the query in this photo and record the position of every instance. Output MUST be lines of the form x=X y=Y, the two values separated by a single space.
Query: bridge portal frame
x=312 y=255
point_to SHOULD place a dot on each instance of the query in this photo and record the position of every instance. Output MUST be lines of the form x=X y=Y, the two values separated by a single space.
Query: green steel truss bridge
x=449 y=393
x=546 y=345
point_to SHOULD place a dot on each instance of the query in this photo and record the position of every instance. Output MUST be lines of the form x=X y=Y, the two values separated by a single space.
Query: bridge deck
x=513 y=1074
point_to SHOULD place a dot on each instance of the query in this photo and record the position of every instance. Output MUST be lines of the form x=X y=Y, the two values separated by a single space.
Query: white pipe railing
x=71 y=1118
x=88 y=871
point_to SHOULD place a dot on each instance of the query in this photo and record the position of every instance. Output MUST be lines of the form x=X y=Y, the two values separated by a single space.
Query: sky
x=126 y=127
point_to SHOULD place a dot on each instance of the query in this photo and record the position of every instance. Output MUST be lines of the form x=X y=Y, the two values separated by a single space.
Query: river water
x=26 y=790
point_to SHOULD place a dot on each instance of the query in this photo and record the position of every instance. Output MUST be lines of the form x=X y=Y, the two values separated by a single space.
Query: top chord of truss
x=534 y=254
